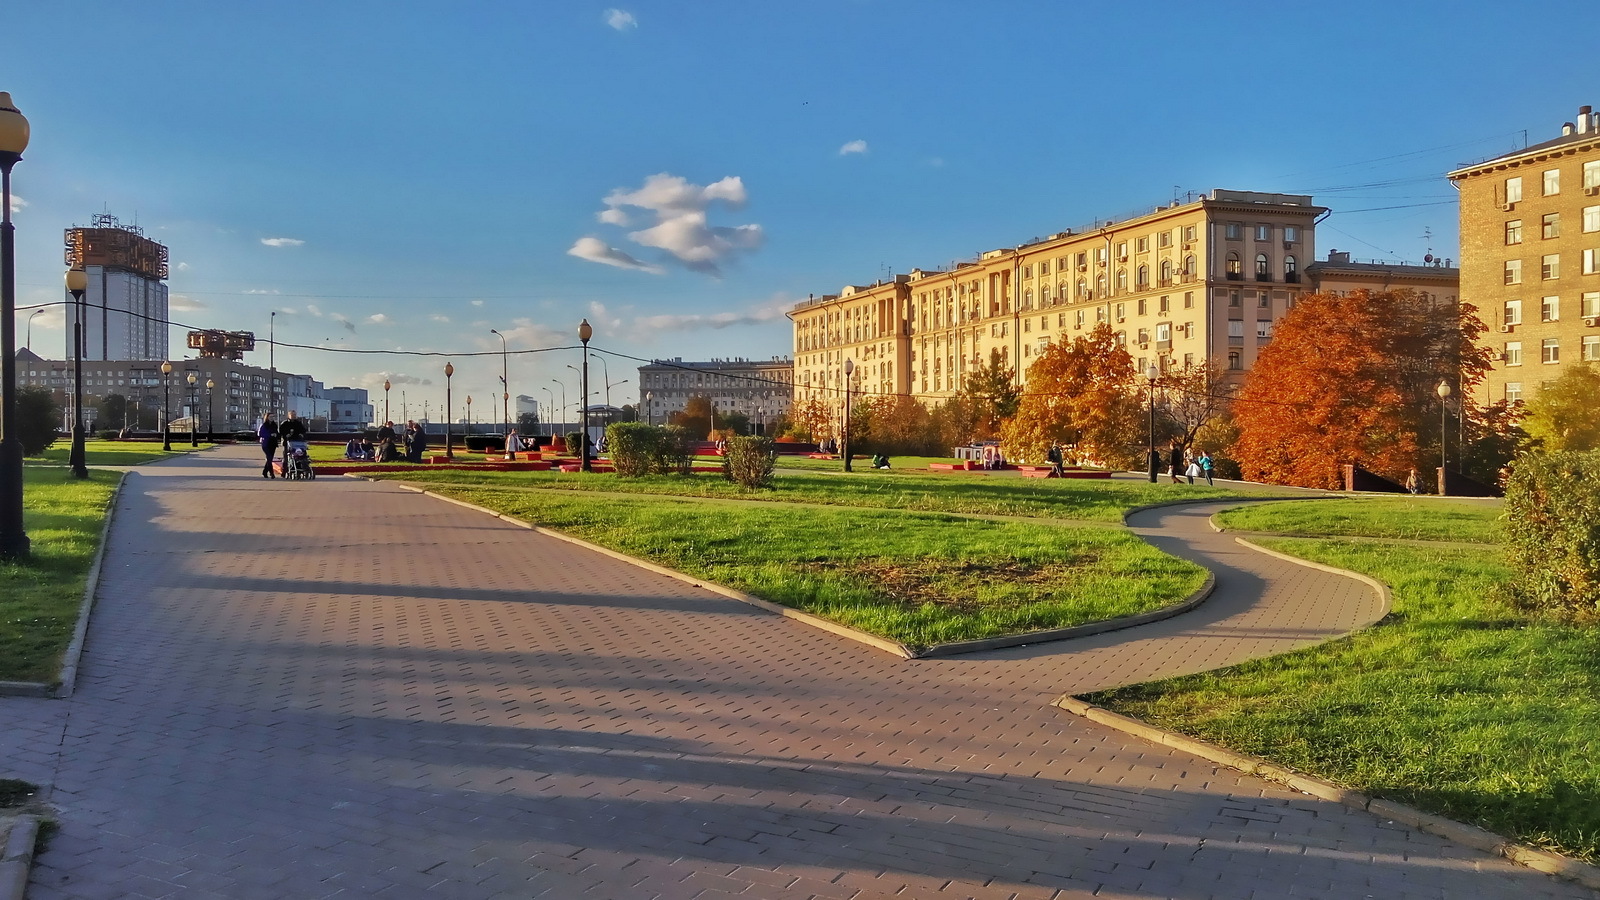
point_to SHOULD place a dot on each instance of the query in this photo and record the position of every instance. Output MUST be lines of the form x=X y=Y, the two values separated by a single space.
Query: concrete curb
x=1384 y=594
x=954 y=648
x=1458 y=832
x=67 y=679
x=16 y=858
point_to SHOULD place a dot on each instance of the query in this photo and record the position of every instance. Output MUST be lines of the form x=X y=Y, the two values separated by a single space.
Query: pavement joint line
x=67 y=678
x=953 y=648
x=16 y=858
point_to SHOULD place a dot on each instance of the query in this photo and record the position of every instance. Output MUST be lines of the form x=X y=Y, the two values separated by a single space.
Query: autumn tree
x=695 y=417
x=1561 y=416
x=1084 y=391
x=893 y=424
x=1352 y=379
x=813 y=420
x=1188 y=398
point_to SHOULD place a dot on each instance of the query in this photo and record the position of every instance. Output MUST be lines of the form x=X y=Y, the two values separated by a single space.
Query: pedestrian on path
x=267 y=434
x=1175 y=461
x=1206 y=465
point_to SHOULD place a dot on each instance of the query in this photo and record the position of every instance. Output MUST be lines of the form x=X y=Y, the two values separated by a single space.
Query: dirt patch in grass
x=951 y=584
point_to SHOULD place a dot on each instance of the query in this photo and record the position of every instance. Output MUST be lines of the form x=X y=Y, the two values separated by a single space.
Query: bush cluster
x=637 y=449
x=1552 y=527
x=748 y=460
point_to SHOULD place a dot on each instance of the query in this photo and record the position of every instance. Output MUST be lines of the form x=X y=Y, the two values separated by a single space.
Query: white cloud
x=313 y=309
x=853 y=147
x=184 y=303
x=477 y=303
x=282 y=242
x=681 y=227
x=643 y=328
x=621 y=19
x=378 y=318
x=183 y=267
x=258 y=291
x=595 y=250
x=17 y=203
x=374 y=381
x=438 y=318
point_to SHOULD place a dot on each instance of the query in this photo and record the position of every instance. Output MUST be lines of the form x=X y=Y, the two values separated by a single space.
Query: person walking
x=1206 y=465
x=1057 y=467
x=1175 y=462
x=267 y=434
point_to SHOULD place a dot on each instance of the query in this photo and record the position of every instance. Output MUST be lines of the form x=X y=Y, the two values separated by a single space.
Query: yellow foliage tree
x=1082 y=392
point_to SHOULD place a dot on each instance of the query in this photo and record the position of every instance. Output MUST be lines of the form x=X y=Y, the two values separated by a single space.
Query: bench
x=965 y=465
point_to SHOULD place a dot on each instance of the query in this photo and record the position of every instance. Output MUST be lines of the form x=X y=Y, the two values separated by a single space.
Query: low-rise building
x=760 y=389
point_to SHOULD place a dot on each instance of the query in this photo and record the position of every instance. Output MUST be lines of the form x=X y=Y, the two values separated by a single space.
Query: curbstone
x=16 y=859
x=1385 y=596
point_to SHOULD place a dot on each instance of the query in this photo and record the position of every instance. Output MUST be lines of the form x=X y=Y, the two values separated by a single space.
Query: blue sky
x=406 y=176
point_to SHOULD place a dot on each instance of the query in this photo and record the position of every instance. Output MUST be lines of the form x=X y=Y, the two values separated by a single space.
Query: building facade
x=126 y=299
x=1530 y=257
x=349 y=409
x=1338 y=274
x=760 y=389
x=1204 y=279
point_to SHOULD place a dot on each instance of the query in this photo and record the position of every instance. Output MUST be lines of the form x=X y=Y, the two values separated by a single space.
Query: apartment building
x=1530 y=256
x=760 y=389
x=1433 y=279
x=1199 y=279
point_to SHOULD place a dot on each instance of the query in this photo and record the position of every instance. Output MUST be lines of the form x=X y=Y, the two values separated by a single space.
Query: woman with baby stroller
x=296 y=452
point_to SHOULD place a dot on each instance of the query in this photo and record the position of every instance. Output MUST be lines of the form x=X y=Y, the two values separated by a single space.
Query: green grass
x=109 y=453
x=1400 y=517
x=39 y=597
x=971 y=494
x=805 y=463
x=1454 y=703
x=917 y=578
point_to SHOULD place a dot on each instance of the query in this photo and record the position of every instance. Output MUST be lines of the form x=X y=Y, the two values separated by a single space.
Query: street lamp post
x=211 y=411
x=272 y=362
x=37 y=312
x=194 y=410
x=469 y=417
x=549 y=423
x=13 y=536
x=166 y=406
x=849 y=369
x=386 y=419
x=77 y=283
x=585 y=331
x=449 y=444
x=563 y=386
x=505 y=382
x=649 y=408
x=1151 y=374
x=1443 y=390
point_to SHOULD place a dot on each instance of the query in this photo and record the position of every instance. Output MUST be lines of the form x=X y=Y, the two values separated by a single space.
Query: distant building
x=526 y=405
x=126 y=301
x=1530 y=257
x=760 y=389
x=348 y=408
x=1338 y=274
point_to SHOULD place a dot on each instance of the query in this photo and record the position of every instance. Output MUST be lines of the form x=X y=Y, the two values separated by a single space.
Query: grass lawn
x=917 y=578
x=1094 y=501
x=803 y=462
x=39 y=598
x=109 y=453
x=1454 y=703
x=1413 y=518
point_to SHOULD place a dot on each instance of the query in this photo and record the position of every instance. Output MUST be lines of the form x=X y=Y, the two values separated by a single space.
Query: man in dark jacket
x=416 y=442
x=267 y=434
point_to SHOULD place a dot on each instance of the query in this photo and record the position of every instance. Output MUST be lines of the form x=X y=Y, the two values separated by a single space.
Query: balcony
x=1263 y=276
x=1235 y=276
x=1291 y=278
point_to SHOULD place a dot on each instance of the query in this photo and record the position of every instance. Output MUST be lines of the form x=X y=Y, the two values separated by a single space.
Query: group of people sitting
x=406 y=445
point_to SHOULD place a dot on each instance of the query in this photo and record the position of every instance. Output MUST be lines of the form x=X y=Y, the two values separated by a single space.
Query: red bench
x=965 y=465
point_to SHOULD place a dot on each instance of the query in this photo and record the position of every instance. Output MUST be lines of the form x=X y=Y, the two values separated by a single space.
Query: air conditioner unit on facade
x=1505 y=328
x=1592 y=190
x=1591 y=321
x=1508 y=207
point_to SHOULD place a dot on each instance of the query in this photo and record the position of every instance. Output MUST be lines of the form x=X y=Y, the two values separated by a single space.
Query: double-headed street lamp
x=1152 y=374
x=505 y=382
x=77 y=283
x=166 y=406
x=13 y=537
x=194 y=410
x=449 y=443
x=585 y=331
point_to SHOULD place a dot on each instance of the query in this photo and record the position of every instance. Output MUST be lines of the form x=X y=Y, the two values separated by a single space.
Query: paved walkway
x=339 y=688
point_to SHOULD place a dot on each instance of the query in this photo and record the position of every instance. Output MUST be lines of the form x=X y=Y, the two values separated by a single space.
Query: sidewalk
x=342 y=688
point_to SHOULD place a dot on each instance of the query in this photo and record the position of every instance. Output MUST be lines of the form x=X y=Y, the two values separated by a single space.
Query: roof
x=1575 y=141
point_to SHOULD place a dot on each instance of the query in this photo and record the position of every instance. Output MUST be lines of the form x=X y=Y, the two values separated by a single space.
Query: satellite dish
x=1428 y=258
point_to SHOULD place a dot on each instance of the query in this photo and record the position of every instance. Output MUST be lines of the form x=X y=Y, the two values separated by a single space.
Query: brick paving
x=341 y=689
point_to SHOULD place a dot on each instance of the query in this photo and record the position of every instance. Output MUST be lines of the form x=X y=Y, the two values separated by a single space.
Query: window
x=1122 y=280
x=1513 y=190
x=1100 y=255
x=1188 y=232
x=1188 y=264
x=1044 y=267
x=1122 y=249
x=1591 y=262
x=1589 y=304
x=1551 y=223
x=1552 y=182
x=1234 y=361
x=1144 y=277
x=1235 y=266
x=1550 y=350
x=1513 y=354
x=1513 y=392
x=1591 y=347
x=1027 y=271
x=1236 y=328
x=1188 y=299
x=1591 y=219
x=1143 y=309
x=1290 y=272
x=1233 y=231
x=1263 y=267
x=1143 y=245
x=1164 y=239
x=1513 y=315
x=1164 y=331
x=1083 y=260
x=1263 y=329
x=1514 y=231
x=1513 y=271
x=1550 y=309
x=1122 y=309
x=1263 y=232
x=1166 y=271
x=1591 y=176
x=1550 y=267
x=1080 y=318
x=1291 y=234
x=1162 y=305
x=1144 y=336
x=1233 y=298
x=1264 y=300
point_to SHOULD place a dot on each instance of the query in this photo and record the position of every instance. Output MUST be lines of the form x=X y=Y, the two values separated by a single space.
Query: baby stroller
x=297 y=460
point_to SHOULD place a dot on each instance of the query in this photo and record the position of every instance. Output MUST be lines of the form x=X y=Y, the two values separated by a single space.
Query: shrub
x=674 y=451
x=748 y=460
x=1552 y=527
x=575 y=443
x=634 y=447
x=37 y=415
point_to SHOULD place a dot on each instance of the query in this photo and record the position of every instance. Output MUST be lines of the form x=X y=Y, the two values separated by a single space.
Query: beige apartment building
x=1530 y=256
x=1196 y=280
x=1434 y=280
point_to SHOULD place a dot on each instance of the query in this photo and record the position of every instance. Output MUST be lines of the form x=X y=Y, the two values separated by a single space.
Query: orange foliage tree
x=1352 y=379
x=1083 y=388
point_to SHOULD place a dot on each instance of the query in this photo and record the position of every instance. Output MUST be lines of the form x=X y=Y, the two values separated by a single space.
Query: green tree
x=527 y=423
x=38 y=415
x=991 y=395
x=113 y=409
x=1561 y=416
